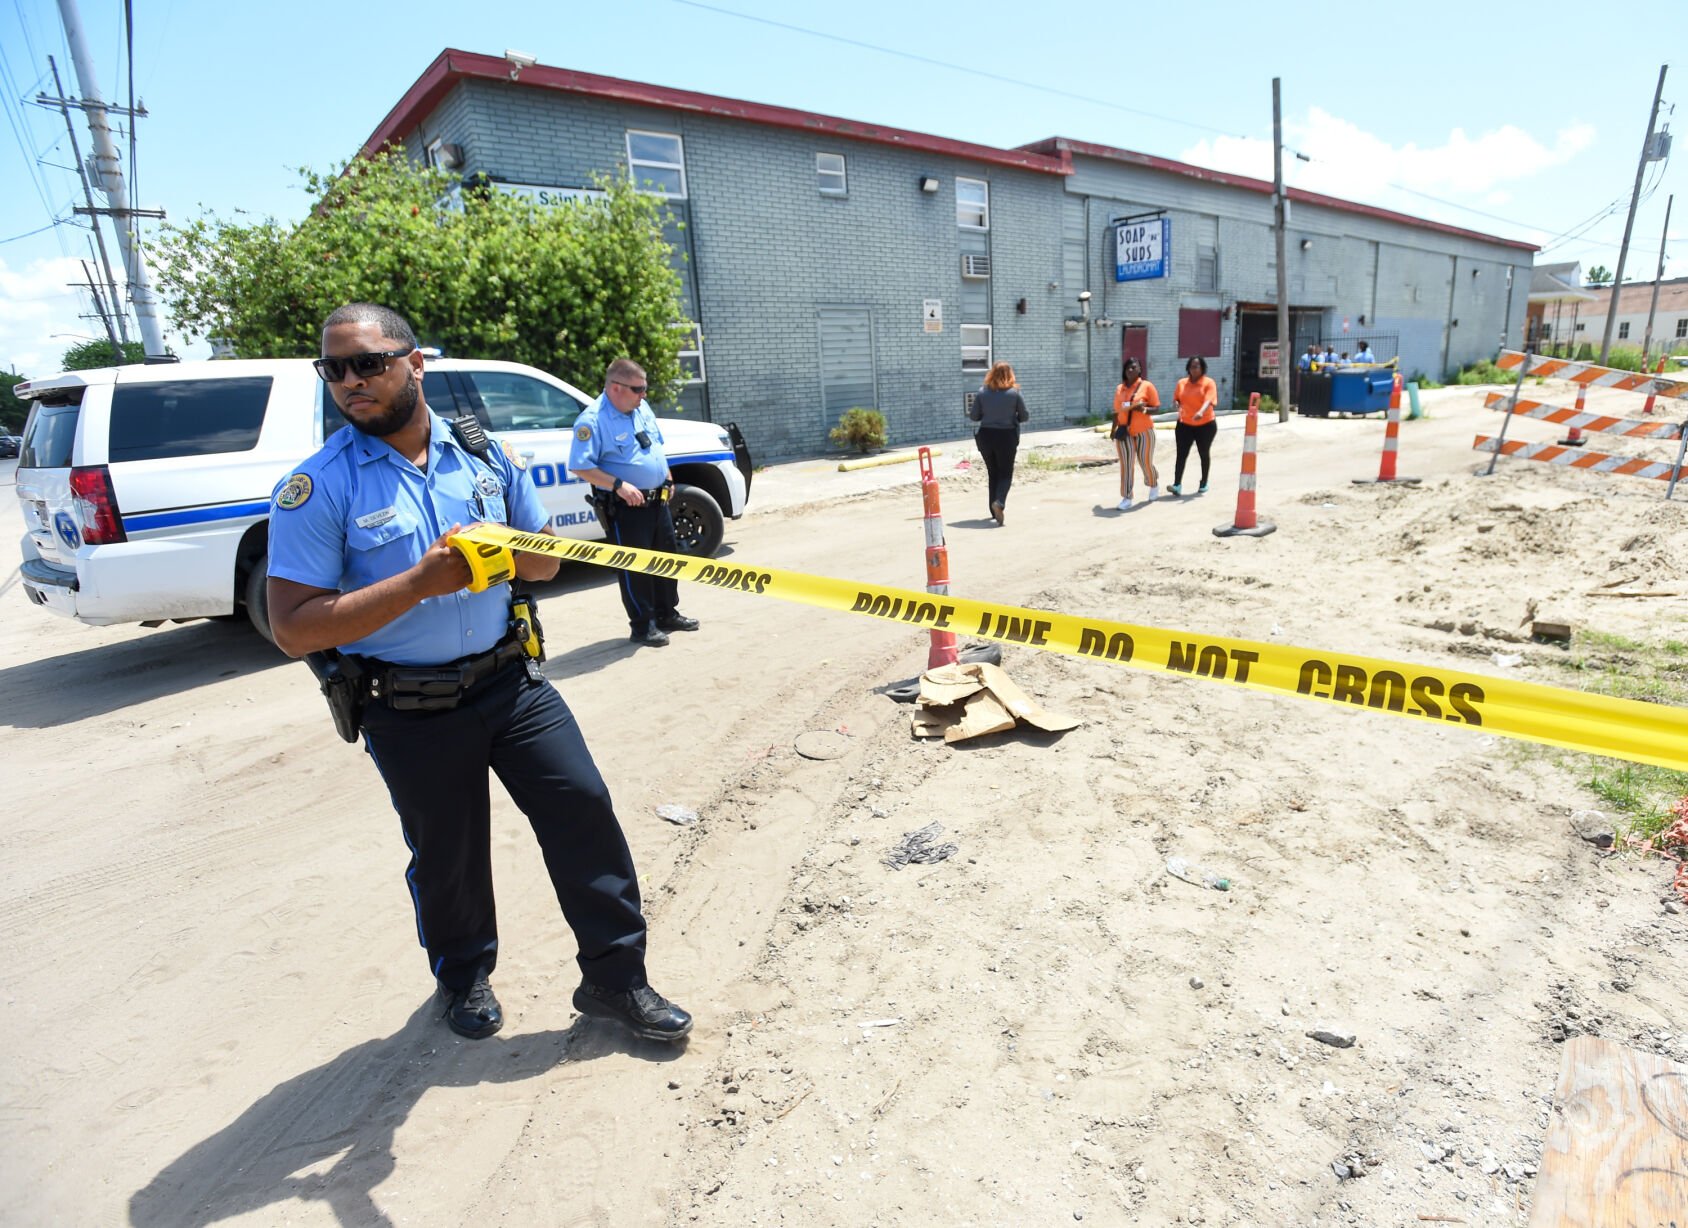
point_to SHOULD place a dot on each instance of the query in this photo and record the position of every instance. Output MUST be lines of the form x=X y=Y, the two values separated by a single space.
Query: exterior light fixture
x=1306 y=245
x=928 y=183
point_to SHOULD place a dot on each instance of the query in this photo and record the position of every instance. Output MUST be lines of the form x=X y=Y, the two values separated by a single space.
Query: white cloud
x=1356 y=165
x=36 y=301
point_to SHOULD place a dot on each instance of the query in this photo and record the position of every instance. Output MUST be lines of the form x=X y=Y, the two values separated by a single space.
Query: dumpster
x=1361 y=392
x=1314 y=397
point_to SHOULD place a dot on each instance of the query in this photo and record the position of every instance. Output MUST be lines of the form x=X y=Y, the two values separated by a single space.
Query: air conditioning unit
x=976 y=266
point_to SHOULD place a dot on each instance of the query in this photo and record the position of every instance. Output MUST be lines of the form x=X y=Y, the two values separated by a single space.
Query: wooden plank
x=1616 y=1153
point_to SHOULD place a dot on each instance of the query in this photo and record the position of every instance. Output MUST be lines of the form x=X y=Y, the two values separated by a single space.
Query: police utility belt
x=610 y=500
x=349 y=683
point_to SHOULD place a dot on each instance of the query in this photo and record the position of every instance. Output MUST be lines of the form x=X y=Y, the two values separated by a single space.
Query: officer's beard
x=397 y=415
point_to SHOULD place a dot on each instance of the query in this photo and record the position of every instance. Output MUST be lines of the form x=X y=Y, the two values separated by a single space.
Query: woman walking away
x=999 y=409
x=1134 y=431
x=1196 y=396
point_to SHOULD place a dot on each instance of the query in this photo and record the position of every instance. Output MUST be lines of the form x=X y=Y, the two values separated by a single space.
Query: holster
x=345 y=686
x=524 y=624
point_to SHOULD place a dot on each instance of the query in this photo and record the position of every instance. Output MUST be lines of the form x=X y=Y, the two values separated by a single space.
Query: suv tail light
x=96 y=505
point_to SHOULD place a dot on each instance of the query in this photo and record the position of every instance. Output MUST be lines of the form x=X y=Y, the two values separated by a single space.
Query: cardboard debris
x=958 y=702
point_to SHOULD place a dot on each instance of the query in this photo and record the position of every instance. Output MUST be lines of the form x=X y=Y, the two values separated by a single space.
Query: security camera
x=518 y=61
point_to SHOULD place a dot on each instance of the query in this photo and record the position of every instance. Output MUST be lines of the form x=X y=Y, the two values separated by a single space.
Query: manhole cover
x=822 y=744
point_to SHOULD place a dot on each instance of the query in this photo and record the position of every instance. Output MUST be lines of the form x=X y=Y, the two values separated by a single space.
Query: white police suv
x=146 y=489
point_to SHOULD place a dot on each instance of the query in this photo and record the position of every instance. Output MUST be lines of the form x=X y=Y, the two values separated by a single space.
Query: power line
x=961 y=68
x=27 y=233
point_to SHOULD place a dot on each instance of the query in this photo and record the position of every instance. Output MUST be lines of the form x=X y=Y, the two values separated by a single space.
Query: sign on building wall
x=1269 y=360
x=1143 y=249
x=932 y=312
x=549 y=196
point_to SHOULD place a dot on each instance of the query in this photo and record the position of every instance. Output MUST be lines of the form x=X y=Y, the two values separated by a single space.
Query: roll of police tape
x=1576 y=720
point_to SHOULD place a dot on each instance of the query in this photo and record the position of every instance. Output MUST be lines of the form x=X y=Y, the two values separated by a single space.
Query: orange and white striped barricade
x=1579 y=420
x=1681 y=452
x=1391 y=441
x=1599 y=462
x=1246 y=523
x=1591 y=376
x=943 y=650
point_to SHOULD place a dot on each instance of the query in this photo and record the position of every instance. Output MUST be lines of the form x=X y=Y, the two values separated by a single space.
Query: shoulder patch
x=511 y=455
x=583 y=433
x=294 y=492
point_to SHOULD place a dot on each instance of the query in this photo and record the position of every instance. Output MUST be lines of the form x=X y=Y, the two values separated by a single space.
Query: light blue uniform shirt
x=607 y=439
x=358 y=512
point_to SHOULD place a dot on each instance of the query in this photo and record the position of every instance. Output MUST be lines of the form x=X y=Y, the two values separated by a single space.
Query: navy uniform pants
x=646 y=598
x=435 y=766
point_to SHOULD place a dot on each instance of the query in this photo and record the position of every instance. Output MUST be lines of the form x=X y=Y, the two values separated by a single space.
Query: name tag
x=376 y=519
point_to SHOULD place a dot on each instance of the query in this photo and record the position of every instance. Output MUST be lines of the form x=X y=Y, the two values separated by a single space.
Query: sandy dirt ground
x=219 y=1014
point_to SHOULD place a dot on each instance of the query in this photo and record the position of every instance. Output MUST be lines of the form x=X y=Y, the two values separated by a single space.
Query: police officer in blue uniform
x=360 y=563
x=618 y=452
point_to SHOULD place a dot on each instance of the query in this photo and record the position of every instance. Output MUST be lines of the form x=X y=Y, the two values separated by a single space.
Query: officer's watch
x=615 y=487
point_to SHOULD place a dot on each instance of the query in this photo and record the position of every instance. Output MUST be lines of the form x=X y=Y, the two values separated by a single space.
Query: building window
x=829 y=173
x=1682 y=328
x=1623 y=330
x=972 y=204
x=432 y=155
x=656 y=162
x=976 y=348
x=691 y=353
x=1580 y=327
x=1207 y=268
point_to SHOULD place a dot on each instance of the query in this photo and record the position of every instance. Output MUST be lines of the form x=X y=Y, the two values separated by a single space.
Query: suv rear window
x=50 y=437
x=187 y=417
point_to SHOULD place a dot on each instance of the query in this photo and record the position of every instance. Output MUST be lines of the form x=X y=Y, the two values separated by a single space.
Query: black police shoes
x=650 y=634
x=676 y=622
x=650 y=1015
x=473 y=1012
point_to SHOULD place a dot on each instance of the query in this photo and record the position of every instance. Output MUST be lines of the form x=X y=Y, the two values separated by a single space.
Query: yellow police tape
x=1597 y=724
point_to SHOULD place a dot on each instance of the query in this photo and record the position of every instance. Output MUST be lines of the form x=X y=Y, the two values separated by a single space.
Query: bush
x=1626 y=358
x=861 y=429
x=1268 y=404
x=1483 y=372
x=1423 y=381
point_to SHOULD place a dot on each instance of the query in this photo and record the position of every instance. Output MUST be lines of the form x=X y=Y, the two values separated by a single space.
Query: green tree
x=87 y=355
x=12 y=409
x=1599 y=275
x=479 y=273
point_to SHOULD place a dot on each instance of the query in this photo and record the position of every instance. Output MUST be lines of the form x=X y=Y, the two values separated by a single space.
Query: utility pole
x=1278 y=219
x=110 y=174
x=1653 y=307
x=88 y=195
x=105 y=317
x=1629 y=222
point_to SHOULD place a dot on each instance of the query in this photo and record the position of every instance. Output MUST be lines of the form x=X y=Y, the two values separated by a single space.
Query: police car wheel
x=698 y=523
x=257 y=597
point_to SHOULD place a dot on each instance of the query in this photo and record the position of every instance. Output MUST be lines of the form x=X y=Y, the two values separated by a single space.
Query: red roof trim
x=452 y=66
x=1063 y=145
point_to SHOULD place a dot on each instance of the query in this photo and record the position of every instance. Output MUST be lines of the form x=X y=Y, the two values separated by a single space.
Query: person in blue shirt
x=1328 y=358
x=618 y=452
x=360 y=563
x=1308 y=359
x=1365 y=353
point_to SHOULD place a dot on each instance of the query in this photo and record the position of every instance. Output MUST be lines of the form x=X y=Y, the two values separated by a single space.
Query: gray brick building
x=829 y=264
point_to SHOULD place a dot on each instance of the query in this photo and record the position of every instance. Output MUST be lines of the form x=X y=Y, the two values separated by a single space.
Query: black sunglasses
x=637 y=390
x=333 y=370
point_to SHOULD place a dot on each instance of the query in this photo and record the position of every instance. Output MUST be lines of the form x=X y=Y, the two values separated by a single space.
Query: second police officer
x=618 y=452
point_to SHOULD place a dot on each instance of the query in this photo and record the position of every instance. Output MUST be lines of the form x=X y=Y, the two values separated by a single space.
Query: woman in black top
x=999 y=409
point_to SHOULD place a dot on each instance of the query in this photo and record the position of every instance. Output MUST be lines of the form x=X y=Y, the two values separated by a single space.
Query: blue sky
x=1536 y=127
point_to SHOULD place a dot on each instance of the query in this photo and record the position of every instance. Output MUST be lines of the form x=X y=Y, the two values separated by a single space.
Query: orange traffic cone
x=1246 y=523
x=1391 y=441
x=1574 y=438
x=943 y=650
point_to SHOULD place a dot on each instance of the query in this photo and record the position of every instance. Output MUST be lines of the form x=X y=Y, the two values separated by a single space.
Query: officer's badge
x=583 y=433
x=294 y=492
x=489 y=485
x=513 y=456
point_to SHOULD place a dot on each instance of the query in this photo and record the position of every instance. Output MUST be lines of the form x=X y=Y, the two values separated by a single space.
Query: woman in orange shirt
x=1134 y=430
x=1196 y=397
